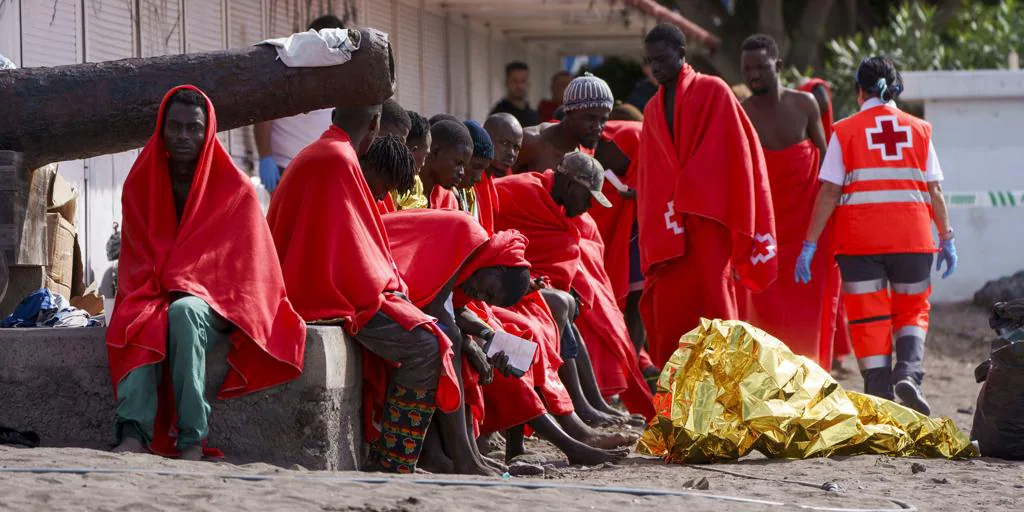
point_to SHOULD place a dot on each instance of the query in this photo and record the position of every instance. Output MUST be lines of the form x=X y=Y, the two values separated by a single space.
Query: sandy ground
x=958 y=342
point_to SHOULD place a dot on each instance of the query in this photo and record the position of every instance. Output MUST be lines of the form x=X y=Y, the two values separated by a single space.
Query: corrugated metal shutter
x=381 y=16
x=458 y=72
x=498 y=61
x=286 y=17
x=407 y=43
x=245 y=23
x=245 y=28
x=479 y=79
x=10 y=30
x=161 y=27
x=204 y=26
x=435 y=72
x=51 y=33
x=109 y=30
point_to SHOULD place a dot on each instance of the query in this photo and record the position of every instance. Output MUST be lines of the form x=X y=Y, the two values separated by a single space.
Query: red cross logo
x=673 y=220
x=765 y=248
x=889 y=138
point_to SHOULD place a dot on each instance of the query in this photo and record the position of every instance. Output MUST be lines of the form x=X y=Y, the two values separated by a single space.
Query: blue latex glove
x=947 y=253
x=802 y=274
x=270 y=174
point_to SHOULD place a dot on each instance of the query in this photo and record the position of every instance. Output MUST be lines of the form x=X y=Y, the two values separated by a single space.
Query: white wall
x=976 y=117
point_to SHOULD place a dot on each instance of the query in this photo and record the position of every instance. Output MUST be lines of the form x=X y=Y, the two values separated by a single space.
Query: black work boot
x=878 y=382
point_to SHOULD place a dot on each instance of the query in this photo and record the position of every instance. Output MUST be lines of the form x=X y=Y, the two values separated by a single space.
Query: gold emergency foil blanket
x=731 y=388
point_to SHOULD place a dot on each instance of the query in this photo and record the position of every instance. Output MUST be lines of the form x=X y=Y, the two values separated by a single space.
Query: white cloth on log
x=312 y=49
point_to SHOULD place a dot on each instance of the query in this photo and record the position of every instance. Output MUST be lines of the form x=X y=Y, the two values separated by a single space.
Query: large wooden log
x=85 y=110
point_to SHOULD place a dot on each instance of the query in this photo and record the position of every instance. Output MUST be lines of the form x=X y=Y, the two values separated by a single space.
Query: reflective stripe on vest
x=885 y=196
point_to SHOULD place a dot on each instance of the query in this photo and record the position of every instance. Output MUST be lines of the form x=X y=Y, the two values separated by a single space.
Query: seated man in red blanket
x=457 y=263
x=487 y=275
x=339 y=268
x=507 y=136
x=186 y=287
x=788 y=124
x=565 y=249
x=451 y=149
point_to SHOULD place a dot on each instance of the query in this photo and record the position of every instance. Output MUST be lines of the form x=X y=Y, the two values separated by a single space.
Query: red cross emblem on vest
x=889 y=138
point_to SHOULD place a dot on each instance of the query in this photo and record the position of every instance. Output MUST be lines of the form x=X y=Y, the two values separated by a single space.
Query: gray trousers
x=415 y=351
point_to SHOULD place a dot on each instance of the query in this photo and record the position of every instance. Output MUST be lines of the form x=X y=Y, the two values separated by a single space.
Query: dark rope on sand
x=529 y=485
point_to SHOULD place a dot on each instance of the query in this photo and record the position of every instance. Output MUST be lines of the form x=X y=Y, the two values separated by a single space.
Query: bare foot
x=130 y=445
x=194 y=452
x=595 y=418
x=610 y=441
x=476 y=467
x=435 y=461
x=588 y=456
x=494 y=464
x=637 y=420
x=492 y=442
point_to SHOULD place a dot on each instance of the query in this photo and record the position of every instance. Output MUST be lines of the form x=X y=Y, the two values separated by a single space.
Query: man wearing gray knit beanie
x=587 y=102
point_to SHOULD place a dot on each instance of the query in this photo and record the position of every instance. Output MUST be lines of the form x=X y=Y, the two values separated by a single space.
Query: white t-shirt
x=289 y=135
x=833 y=170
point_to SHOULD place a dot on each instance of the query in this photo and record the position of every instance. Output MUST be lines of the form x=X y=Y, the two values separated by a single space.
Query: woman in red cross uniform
x=882 y=189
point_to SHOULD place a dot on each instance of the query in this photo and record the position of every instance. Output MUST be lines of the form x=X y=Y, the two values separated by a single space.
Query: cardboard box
x=60 y=243
x=24 y=197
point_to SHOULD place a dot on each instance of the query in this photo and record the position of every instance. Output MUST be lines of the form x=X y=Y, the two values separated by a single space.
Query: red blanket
x=457 y=246
x=616 y=223
x=705 y=216
x=159 y=255
x=487 y=202
x=826 y=115
x=441 y=197
x=711 y=167
x=569 y=252
x=334 y=249
x=841 y=342
x=794 y=312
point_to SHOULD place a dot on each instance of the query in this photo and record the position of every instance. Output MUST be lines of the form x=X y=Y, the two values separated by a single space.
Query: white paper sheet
x=520 y=352
x=615 y=181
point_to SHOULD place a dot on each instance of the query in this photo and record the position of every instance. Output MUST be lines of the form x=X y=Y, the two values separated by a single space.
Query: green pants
x=194 y=328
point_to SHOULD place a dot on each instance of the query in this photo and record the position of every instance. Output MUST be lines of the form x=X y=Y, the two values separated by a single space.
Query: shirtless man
x=782 y=116
x=788 y=124
x=586 y=106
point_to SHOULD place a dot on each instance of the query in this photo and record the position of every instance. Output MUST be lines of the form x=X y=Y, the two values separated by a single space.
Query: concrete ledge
x=56 y=382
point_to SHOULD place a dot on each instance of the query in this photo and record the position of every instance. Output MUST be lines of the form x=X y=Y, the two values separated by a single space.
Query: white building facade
x=976 y=117
x=450 y=57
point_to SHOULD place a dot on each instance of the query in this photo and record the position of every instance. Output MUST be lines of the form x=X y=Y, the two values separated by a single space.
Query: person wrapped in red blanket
x=841 y=346
x=185 y=287
x=451 y=149
x=565 y=248
x=705 y=209
x=458 y=256
x=337 y=263
x=789 y=127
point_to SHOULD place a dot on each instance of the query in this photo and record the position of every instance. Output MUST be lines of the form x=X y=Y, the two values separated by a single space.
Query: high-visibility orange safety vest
x=885 y=207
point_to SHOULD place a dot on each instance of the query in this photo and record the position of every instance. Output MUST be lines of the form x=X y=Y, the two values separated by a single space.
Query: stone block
x=56 y=382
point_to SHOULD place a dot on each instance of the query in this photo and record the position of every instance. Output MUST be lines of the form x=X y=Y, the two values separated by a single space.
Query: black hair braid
x=392 y=161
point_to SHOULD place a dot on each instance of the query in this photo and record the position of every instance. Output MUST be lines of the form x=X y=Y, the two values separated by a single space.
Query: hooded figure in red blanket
x=451 y=149
x=458 y=256
x=336 y=260
x=186 y=287
x=566 y=249
x=789 y=126
x=841 y=346
x=705 y=216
